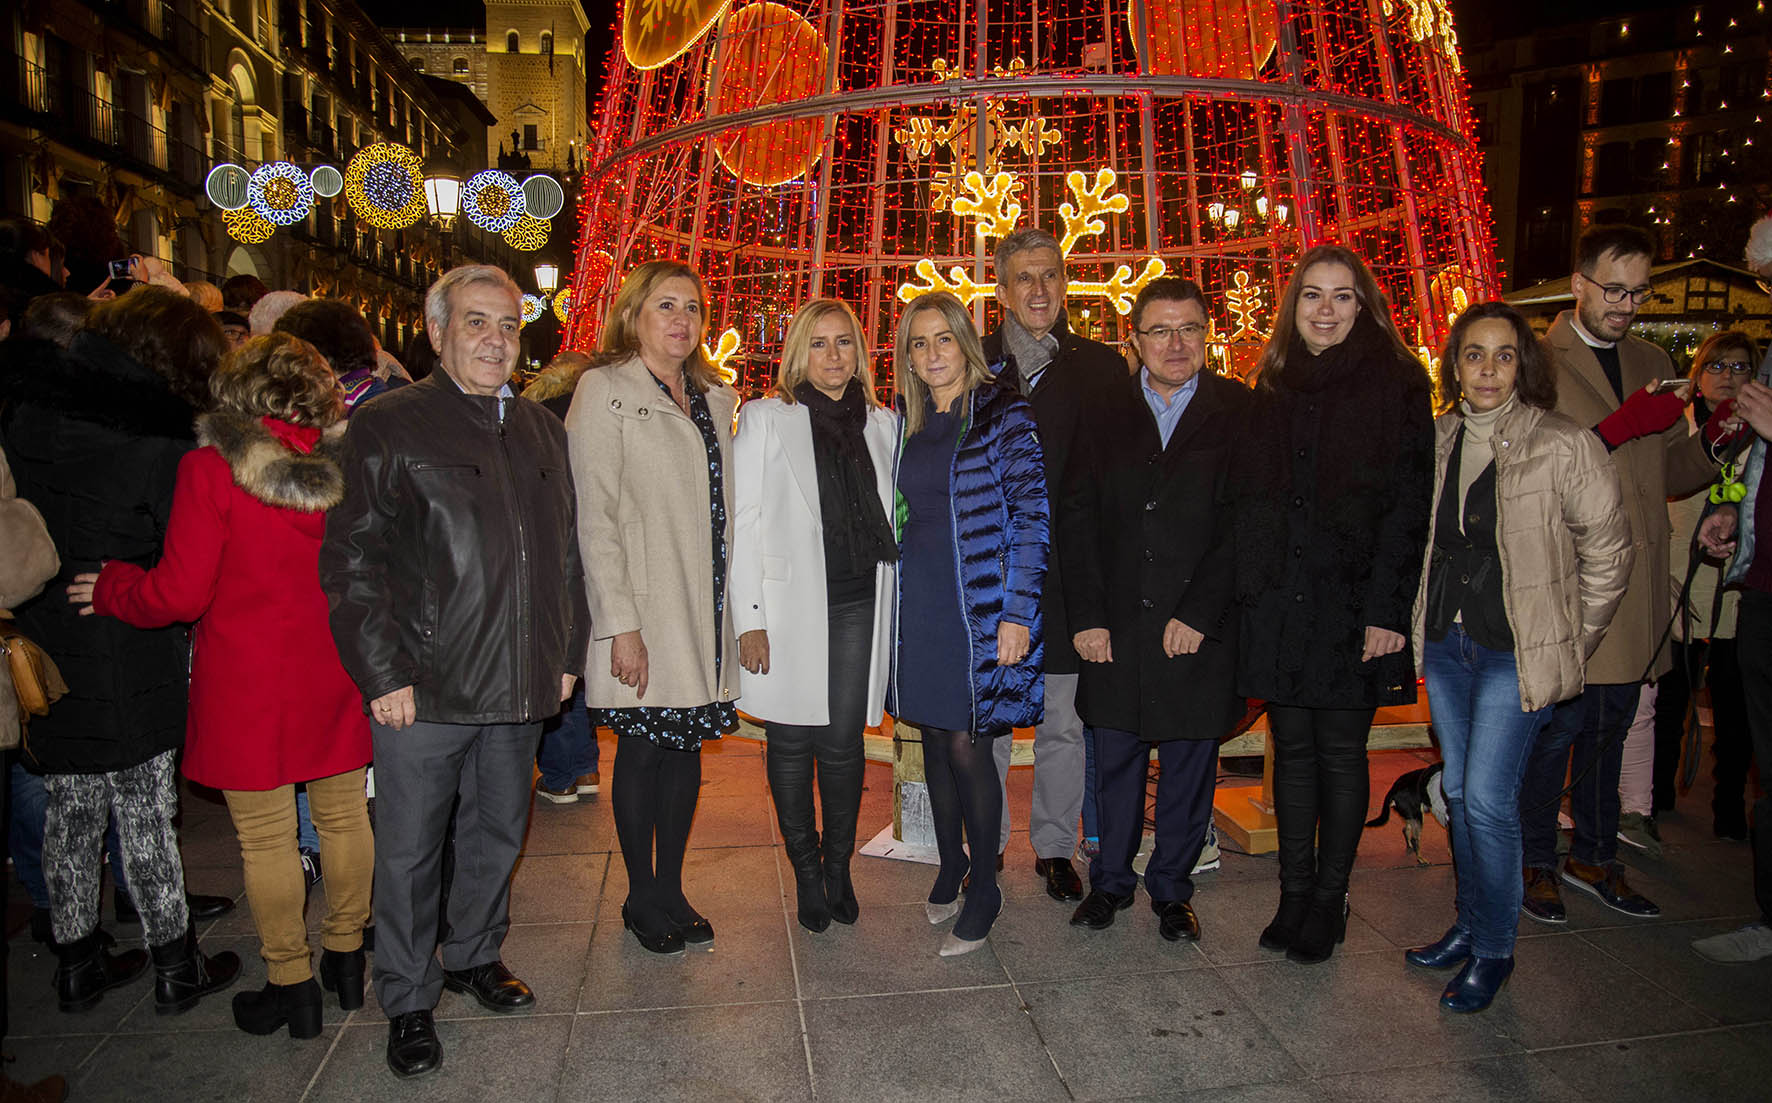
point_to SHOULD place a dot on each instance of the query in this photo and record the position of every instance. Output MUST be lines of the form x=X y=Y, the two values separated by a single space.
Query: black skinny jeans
x=1321 y=787
x=835 y=749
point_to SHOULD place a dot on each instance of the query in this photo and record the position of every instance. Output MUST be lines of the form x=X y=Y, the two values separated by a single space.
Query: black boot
x=839 y=844
x=183 y=975
x=789 y=769
x=341 y=971
x=1324 y=928
x=269 y=1009
x=1280 y=934
x=814 y=912
x=87 y=970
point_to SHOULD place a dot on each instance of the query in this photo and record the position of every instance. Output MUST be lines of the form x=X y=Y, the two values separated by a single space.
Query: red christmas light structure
x=868 y=149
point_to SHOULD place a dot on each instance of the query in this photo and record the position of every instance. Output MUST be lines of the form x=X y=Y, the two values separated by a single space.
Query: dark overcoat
x=1145 y=536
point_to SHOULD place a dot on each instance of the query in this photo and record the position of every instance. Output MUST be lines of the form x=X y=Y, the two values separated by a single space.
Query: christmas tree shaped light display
x=872 y=149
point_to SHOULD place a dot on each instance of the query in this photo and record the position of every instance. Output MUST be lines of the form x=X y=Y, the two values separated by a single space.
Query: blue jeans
x=30 y=808
x=568 y=748
x=1486 y=741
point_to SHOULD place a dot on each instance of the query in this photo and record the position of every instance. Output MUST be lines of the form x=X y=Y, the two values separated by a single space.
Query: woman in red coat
x=271 y=706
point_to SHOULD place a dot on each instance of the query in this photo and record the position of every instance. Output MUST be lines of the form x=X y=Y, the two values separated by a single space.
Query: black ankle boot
x=814 y=913
x=87 y=970
x=1280 y=934
x=341 y=971
x=183 y=975
x=1324 y=928
x=276 y=1005
x=839 y=892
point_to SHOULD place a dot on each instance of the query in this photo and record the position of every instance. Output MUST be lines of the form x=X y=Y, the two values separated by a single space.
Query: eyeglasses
x=1615 y=292
x=1733 y=367
x=1187 y=331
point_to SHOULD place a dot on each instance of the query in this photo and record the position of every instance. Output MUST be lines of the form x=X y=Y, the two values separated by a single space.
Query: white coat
x=778 y=574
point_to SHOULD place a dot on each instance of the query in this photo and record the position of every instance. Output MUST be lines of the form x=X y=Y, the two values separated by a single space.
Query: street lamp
x=547 y=278
x=443 y=192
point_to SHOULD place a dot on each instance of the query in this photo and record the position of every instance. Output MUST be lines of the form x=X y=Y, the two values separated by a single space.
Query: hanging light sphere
x=493 y=200
x=563 y=305
x=533 y=306
x=280 y=192
x=384 y=184
x=327 y=181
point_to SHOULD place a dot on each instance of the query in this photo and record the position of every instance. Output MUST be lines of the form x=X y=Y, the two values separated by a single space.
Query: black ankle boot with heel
x=809 y=899
x=341 y=971
x=1324 y=928
x=1279 y=934
x=275 y=1006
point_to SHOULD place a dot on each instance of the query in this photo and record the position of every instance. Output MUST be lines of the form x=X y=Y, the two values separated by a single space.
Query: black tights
x=965 y=798
x=1321 y=787
x=653 y=792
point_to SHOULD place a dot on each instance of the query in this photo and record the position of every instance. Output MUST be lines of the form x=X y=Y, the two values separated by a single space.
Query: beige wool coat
x=1650 y=471
x=1564 y=545
x=643 y=532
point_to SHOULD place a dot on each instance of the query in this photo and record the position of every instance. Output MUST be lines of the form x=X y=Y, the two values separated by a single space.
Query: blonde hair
x=208 y=296
x=620 y=339
x=796 y=349
x=281 y=376
x=905 y=382
x=559 y=377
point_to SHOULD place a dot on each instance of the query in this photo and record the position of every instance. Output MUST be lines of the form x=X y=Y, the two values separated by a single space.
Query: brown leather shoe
x=1543 y=901
x=587 y=784
x=568 y=795
x=1608 y=886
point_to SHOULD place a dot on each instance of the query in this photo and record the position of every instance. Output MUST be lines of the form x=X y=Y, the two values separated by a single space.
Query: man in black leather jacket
x=458 y=607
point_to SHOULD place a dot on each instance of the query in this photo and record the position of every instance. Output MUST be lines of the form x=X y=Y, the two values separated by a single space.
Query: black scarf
x=1308 y=371
x=856 y=533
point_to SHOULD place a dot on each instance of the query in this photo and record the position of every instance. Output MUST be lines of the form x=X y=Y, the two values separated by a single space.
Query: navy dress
x=934 y=661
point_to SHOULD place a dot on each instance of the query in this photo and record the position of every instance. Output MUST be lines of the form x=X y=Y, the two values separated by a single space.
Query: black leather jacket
x=452 y=563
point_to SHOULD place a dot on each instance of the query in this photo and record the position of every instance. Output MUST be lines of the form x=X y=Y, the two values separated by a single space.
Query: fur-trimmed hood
x=270 y=470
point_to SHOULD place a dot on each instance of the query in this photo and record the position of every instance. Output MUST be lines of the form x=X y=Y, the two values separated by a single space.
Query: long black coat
x=1333 y=486
x=1146 y=538
x=94 y=440
x=1081 y=369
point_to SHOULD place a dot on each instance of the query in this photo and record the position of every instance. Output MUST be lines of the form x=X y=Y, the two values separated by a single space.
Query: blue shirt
x=1167 y=411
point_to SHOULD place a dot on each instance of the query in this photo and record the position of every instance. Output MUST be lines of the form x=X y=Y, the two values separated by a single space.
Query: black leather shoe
x=1452 y=949
x=1176 y=920
x=495 y=987
x=696 y=932
x=670 y=942
x=88 y=970
x=413 y=1048
x=1097 y=909
x=1062 y=882
x=1475 y=986
x=342 y=971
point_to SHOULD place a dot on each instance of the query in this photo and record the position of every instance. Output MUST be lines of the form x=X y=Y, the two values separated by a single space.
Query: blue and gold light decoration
x=493 y=201
x=385 y=185
x=533 y=307
x=280 y=193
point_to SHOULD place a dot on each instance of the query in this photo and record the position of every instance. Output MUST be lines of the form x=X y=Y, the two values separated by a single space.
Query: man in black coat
x=1149 y=583
x=1036 y=353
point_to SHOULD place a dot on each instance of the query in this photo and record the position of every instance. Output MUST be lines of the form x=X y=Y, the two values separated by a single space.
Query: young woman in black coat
x=1335 y=481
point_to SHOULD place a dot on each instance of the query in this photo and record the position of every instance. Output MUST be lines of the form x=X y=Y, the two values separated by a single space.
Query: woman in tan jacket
x=650 y=433
x=1529 y=556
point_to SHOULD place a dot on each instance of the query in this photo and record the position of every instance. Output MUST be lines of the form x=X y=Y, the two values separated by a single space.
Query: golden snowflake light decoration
x=247 y=226
x=722 y=352
x=384 y=184
x=992 y=203
x=528 y=235
x=563 y=305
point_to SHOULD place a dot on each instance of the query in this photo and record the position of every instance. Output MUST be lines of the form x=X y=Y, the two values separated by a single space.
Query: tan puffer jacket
x=1564 y=541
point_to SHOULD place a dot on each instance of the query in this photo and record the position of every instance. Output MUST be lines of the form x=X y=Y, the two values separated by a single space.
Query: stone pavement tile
x=891 y=949
x=1406 y=906
x=1721 y=1066
x=1232 y=917
x=508 y=1058
x=727 y=821
x=558 y=888
x=1157 y=1032
x=1035 y=941
x=216 y=1011
x=1515 y=1077
x=201 y=1064
x=41 y=1056
x=1358 y=1012
x=749 y=964
x=30 y=991
x=750 y=1052
x=1289 y=1091
x=1663 y=952
x=1234 y=866
x=885 y=880
x=549 y=957
x=1564 y=991
x=586 y=827
x=1682 y=890
x=718 y=882
x=973 y=1045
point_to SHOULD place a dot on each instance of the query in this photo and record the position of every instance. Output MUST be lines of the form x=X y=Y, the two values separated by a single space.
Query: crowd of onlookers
x=252 y=547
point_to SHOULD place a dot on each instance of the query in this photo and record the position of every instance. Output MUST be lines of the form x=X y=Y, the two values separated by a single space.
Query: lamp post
x=443 y=200
x=547 y=278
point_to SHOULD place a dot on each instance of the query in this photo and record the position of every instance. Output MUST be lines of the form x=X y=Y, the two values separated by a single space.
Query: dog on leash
x=1414 y=795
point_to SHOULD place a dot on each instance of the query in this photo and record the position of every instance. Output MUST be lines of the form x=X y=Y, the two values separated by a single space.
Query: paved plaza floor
x=1606 y=1008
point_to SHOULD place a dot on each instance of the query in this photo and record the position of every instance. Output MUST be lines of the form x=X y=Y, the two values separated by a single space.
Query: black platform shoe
x=278 y=1005
x=342 y=971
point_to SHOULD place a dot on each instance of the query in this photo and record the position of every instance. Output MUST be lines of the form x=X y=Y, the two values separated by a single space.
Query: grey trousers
x=144 y=799
x=1058 y=773
x=419 y=772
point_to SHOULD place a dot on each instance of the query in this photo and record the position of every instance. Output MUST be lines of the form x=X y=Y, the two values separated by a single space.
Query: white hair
x=271 y=307
x=439 y=305
x=1759 y=248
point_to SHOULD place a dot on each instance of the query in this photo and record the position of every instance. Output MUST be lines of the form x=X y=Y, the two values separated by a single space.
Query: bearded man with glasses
x=1613 y=382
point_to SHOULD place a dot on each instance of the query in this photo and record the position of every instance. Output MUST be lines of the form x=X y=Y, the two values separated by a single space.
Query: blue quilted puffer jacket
x=1003 y=527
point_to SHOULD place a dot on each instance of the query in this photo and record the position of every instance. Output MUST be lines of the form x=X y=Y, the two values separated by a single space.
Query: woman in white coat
x=813 y=556
x=650 y=434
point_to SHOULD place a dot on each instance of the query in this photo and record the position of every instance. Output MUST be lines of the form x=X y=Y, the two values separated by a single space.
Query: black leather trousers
x=1321 y=787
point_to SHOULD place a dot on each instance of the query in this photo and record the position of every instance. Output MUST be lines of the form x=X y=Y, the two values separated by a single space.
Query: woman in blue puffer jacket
x=974 y=540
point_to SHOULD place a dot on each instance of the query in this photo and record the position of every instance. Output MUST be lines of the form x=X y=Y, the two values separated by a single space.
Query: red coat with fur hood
x=271 y=704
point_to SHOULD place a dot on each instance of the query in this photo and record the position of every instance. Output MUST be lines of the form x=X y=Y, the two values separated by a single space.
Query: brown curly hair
x=279 y=376
x=166 y=332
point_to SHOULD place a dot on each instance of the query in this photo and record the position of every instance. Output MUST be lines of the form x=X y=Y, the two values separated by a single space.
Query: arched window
x=510 y=42
x=460 y=66
x=417 y=63
x=547 y=42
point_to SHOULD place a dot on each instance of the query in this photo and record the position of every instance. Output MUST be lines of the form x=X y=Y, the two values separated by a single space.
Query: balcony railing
x=36 y=92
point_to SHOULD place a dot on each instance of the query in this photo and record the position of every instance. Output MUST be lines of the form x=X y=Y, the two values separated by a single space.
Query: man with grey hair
x=458 y=608
x=1034 y=351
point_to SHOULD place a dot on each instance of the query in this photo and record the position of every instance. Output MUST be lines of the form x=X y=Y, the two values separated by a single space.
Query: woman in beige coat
x=650 y=431
x=1529 y=556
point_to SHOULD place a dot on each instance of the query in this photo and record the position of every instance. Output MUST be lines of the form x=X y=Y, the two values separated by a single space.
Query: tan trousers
x=265 y=822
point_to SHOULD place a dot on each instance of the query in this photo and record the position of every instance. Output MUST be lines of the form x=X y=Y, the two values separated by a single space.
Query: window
x=1618 y=101
x=1612 y=169
x=417 y=63
x=529 y=137
x=547 y=42
x=459 y=66
x=510 y=42
x=1655 y=96
x=1704 y=294
x=1647 y=156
